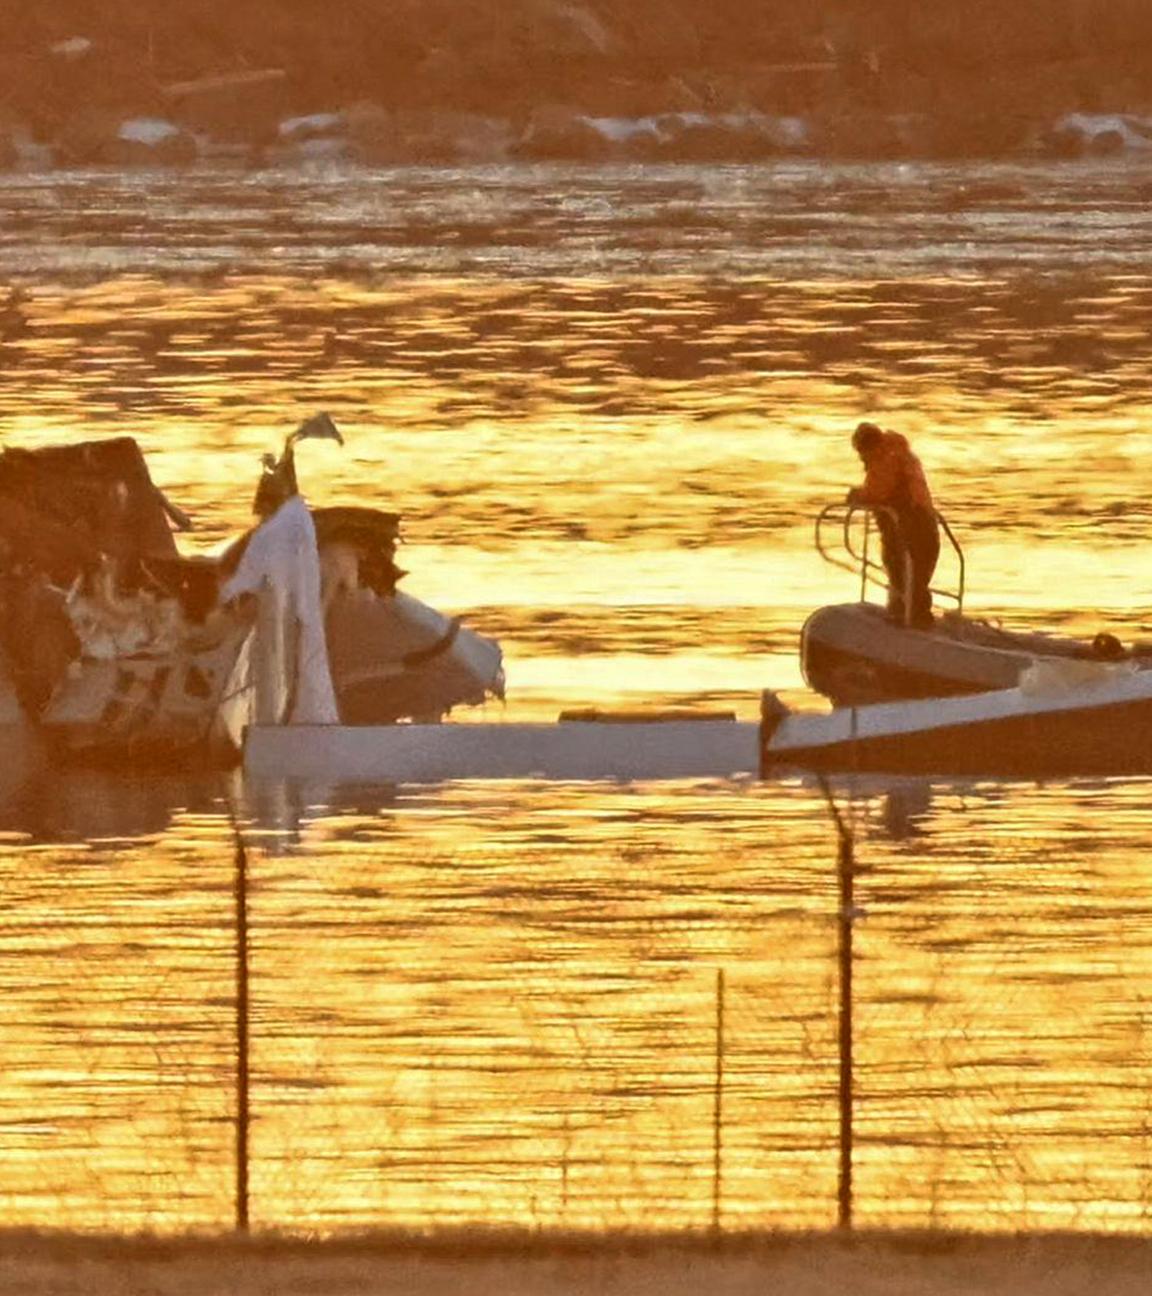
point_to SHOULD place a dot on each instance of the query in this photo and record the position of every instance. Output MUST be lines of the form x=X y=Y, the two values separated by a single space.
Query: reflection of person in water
x=894 y=484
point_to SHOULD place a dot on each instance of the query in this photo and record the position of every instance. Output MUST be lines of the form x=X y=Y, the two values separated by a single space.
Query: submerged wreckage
x=115 y=646
x=294 y=646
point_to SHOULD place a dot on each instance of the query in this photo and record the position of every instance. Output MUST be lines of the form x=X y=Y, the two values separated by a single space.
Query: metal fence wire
x=336 y=1039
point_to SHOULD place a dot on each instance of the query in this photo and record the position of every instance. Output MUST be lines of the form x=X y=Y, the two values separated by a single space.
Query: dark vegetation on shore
x=978 y=77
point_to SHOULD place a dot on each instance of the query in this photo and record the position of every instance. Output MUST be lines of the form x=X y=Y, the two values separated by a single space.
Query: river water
x=609 y=404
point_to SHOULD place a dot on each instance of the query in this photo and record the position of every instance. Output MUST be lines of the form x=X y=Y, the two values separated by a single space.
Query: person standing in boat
x=895 y=486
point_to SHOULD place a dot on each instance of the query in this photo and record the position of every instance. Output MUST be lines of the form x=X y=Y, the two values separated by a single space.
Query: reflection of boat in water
x=117 y=646
x=853 y=653
x=110 y=807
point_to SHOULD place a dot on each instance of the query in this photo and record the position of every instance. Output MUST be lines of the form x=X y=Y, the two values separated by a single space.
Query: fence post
x=242 y=1053
x=718 y=1107
x=845 y=870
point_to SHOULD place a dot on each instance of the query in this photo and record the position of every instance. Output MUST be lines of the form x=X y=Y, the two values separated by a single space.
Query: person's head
x=866 y=439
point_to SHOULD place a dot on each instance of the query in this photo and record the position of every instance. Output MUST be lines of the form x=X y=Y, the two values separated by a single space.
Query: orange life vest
x=895 y=477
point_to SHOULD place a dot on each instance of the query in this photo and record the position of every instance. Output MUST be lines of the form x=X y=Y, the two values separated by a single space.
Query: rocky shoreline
x=263 y=82
x=369 y=134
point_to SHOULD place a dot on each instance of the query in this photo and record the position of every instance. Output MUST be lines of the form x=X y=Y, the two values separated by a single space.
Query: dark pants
x=909 y=548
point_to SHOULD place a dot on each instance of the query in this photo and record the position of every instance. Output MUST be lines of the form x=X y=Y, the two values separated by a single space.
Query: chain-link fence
x=349 y=1038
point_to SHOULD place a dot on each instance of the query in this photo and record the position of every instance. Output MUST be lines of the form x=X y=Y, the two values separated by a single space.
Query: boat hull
x=1096 y=728
x=853 y=655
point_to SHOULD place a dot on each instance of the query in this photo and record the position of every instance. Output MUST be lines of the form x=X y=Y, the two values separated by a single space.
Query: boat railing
x=844 y=535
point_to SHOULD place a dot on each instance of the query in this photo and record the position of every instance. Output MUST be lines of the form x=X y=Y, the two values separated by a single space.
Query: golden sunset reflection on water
x=652 y=443
x=497 y=1003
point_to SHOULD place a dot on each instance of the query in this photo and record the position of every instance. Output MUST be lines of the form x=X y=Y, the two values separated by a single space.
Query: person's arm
x=879 y=484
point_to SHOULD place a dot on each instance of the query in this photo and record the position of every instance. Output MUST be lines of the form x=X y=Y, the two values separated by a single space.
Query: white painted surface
x=432 y=753
x=282 y=565
x=884 y=719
